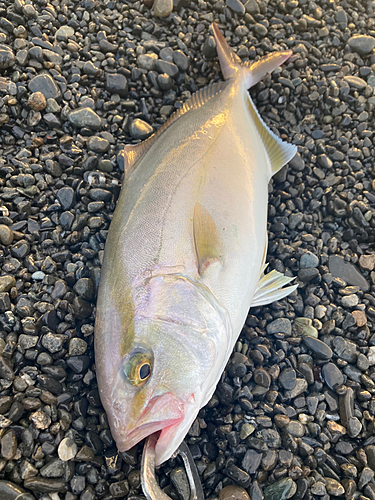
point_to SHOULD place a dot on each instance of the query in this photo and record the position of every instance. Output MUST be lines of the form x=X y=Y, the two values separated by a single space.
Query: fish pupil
x=144 y=371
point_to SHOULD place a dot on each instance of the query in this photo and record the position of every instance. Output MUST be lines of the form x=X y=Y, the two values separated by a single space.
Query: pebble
x=7 y=58
x=85 y=117
x=67 y=449
x=45 y=85
x=332 y=375
x=340 y=268
x=6 y=283
x=162 y=8
x=281 y=325
x=37 y=101
x=6 y=235
x=180 y=482
x=233 y=492
x=12 y=491
x=308 y=260
x=288 y=379
x=320 y=349
x=333 y=487
x=236 y=6
x=362 y=44
x=139 y=129
x=281 y=490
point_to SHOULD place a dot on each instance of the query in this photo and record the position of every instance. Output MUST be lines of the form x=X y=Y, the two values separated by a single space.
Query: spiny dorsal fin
x=134 y=153
x=279 y=152
x=208 y=247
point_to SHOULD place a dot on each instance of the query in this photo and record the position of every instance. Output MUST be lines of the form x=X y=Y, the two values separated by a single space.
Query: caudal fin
x=230 y=63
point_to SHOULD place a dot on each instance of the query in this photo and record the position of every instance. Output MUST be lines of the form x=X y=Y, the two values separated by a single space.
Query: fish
x=185 y=256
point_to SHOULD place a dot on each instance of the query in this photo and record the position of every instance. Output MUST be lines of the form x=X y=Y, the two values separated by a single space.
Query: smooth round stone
x=85 y=117
x=64 y=32
x=332 y=375
x=140 y=129
x=38 y=275
x=281 y=490
x=6 y=283
x=37 y=101
x=320 y=349
x=98 y=144
x=262 y=377
x=147 y=61
x=67 y=449
x=351 y=300
x=85 y=288
x=180 y=482
x=6 y=235
x=45 y=84
x=7 y=58
x=236 y=6
x=12 y=491
x=295 y=428
x=308 y=260
x=117 y=84
x=333 y=487
x=246 y=430
x=162 y=8
x=233 y=492
x=280 y=325
x=287 y=379
x=362 y=44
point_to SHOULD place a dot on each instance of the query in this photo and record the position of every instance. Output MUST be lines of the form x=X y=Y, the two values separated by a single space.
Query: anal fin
x=270 y=288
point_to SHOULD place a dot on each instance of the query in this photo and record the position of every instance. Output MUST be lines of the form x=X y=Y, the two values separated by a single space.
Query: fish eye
x=138 y=367
x=144 y=371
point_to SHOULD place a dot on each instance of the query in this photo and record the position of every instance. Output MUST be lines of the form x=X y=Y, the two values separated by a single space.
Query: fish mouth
x=163 y=413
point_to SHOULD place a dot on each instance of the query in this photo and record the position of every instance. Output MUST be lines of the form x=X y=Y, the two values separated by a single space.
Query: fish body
x=183 y=258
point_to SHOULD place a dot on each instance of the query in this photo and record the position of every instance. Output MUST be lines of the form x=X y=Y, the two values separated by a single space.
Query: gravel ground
x=293 y=415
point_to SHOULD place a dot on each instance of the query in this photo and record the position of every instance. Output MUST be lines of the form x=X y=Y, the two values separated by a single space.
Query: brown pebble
x=233 y=493
x=281 y=420
x=37 y=142
x=37 y=101
x=360 y=317
x=367 y=262
x=6 y=235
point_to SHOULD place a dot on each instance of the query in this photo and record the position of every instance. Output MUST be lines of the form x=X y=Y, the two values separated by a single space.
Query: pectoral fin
x=208 y=247
x=270 y=288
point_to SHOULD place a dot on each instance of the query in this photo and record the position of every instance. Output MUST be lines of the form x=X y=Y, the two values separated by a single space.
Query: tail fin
x=230 y=63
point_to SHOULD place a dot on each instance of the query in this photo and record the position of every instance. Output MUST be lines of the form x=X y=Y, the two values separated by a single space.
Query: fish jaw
x=166 y=411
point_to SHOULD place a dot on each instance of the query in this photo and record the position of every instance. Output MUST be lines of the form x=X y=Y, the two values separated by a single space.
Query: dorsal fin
x=134 y=153
x=208 y=247
x=279 y=152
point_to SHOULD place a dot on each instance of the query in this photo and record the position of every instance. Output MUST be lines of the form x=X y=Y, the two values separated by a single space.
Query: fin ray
x=270 y=288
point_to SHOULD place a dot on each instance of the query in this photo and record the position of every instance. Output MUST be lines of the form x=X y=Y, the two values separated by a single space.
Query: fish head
x=167 y=368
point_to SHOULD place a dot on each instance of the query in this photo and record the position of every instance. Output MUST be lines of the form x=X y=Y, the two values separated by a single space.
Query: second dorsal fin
x=134 y=153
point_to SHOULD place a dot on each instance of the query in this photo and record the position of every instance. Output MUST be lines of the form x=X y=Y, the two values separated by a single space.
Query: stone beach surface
x=293 y=416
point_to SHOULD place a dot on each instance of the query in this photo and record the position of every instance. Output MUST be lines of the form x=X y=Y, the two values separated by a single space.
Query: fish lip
x=143 y=429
